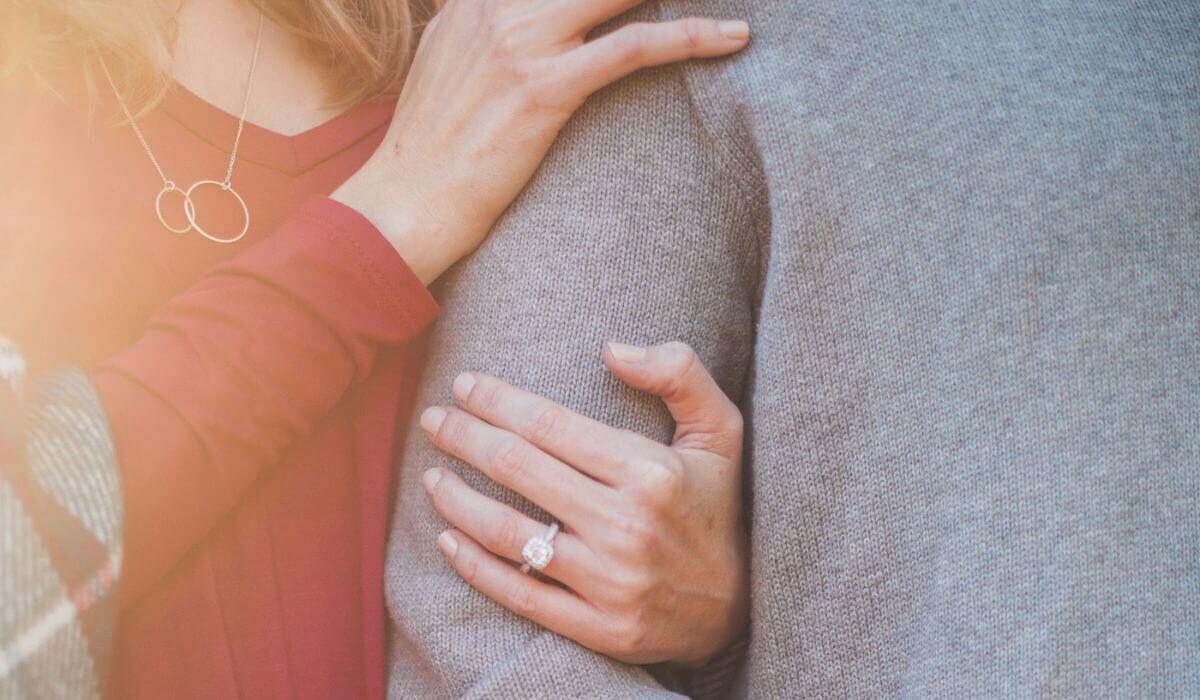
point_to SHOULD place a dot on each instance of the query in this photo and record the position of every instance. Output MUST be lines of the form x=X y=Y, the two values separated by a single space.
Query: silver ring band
x=538 y=552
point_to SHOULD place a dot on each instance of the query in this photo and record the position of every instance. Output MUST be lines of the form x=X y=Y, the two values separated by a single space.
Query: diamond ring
x=539 y=550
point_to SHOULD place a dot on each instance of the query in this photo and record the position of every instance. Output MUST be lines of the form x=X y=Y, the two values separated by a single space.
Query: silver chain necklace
x=169 y=186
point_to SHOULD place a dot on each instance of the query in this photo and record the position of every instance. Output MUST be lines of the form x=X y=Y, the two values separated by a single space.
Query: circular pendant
x=190 y=210
x=167 y=189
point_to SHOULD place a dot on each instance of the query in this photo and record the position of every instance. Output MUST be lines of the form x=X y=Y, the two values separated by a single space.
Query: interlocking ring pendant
x=168 y=188
x=189 y=210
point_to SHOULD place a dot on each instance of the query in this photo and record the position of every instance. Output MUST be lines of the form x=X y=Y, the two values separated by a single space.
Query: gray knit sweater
x=948 y=257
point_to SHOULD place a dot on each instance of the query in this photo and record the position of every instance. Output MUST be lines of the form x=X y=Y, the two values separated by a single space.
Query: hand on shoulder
x=491 y=85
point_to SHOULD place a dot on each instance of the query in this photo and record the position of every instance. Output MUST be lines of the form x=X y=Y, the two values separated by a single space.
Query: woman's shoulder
x=16 y=92
x=27 y=95
x=33 y=108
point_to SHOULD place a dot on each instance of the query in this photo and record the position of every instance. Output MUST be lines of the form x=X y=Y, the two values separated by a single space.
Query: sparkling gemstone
x=537 y=553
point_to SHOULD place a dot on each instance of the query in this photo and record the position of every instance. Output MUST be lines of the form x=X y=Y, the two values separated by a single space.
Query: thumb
x=704 y=416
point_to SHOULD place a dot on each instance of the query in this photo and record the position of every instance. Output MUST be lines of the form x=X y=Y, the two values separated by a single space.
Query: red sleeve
x=232 y=372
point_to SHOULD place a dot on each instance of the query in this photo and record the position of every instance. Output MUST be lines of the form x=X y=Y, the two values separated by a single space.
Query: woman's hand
x=491 y=85
x=652 y=554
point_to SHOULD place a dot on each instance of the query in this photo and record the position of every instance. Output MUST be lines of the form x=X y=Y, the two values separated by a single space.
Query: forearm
x=234 y=371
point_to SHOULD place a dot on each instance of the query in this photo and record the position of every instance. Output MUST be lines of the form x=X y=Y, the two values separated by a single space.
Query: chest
x=85 y=260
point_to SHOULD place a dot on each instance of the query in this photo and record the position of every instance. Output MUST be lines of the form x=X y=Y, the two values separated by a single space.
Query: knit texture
x=60 y=534
x=946 y=256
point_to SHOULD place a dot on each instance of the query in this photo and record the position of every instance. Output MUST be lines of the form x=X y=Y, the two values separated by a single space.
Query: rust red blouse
x=253 y=390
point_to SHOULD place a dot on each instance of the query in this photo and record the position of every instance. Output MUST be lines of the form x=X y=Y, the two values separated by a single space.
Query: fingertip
x=432 y=419
x=463 y=384
x=626 y=362
x=625 y=354
x=431 y=478
x=735 y=30
x=448 y=543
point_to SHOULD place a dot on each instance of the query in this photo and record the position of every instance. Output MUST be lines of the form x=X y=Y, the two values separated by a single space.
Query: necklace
x=169 y=186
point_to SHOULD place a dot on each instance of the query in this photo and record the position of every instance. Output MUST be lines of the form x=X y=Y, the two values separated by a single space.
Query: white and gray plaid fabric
x=60 y=534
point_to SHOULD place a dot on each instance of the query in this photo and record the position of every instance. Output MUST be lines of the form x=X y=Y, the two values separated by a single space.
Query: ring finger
x=505 y=531
x=511 y=461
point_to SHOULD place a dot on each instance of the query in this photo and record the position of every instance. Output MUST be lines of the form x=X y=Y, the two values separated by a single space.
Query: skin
x=213 y=48
x=492 y=84
x=653 y=556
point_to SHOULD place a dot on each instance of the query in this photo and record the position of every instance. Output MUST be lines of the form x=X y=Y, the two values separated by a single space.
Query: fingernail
x=447 y=544
x=431 y=478
x=432 y=419
x=734 y=29
x=627 y=353
x=463 y=384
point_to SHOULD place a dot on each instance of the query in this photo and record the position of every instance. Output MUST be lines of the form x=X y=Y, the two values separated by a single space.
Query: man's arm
x=976 y=383
x=632 y=232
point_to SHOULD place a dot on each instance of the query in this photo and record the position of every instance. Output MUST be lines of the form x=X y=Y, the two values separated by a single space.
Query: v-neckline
x=294 y=154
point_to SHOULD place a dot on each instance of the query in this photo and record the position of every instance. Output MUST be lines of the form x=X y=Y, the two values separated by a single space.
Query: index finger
x=581 y=16
x=605 y=60
x=587 y=445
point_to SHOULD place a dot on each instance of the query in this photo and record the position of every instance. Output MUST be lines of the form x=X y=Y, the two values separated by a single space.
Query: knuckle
x=677 y=362
x=661 y=484
x=638 y=536
x=631 y=45
x=679 y=357
x=509 y=32
x=492 y=7
x=523 y=599
x=453 y=432
x=531 y=97
x=509 y=459
x=544 y=422
x=635 y=587
x=506 y=537
x=693 y=33
x=485 y=396
x=468 y=567
x=628 y=638
x=506 y=44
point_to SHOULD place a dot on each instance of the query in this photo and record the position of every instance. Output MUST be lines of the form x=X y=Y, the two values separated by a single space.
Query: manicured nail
x=627 y=353
x=432 y=419
x=734 y=29
x=431 y=478
x=447 y=543
x=463 y=384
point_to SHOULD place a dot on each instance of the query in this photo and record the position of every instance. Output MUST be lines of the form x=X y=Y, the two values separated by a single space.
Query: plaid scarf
x=60 y=534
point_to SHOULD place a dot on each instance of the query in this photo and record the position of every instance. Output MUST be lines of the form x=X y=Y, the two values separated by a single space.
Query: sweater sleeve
x=235 y=370
x=581 y=258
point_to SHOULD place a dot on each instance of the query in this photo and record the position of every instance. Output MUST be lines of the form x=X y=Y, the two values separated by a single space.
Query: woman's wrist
x=404 y=222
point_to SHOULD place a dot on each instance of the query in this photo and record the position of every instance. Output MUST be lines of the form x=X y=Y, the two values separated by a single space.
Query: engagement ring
x=539 y=551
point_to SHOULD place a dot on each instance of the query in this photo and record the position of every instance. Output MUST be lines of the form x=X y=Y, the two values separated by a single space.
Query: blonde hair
x=364 y=45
